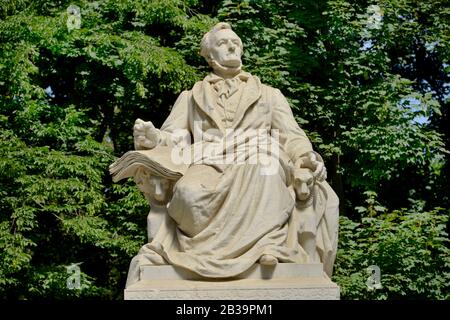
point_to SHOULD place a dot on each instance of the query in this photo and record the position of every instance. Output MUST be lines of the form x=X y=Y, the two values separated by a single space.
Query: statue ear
x=209 y=59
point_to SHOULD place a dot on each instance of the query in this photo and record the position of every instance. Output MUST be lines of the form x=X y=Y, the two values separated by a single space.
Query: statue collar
x=213 y=78
x=203 y=98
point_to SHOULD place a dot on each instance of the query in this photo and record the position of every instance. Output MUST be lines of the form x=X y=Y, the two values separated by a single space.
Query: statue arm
x=292 y=138
x=177 y=122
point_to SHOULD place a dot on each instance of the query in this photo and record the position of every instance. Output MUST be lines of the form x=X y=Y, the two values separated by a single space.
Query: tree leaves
x=367 y=83
x=410 y=248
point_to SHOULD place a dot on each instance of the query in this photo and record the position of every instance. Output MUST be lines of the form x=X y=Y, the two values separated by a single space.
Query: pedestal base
x=285 y=281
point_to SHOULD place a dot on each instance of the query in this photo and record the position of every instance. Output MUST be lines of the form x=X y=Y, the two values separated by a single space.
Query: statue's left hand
x=315 y=164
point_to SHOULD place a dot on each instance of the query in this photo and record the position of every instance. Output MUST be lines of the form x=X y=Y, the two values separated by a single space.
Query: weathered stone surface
x=233 y=183
x=286 y=281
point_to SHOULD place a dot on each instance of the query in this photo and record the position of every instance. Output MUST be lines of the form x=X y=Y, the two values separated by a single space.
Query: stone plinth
x=285 y=281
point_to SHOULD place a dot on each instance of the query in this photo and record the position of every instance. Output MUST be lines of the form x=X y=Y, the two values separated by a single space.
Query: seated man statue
x=256 y=190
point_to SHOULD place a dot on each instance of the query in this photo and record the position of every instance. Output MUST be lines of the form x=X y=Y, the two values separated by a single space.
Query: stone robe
x=223 y=217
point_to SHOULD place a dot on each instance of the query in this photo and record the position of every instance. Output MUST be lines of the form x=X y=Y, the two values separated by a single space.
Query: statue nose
x=304 y=189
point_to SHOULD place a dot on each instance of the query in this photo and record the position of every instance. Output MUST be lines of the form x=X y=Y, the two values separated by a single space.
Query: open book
x=157 y=161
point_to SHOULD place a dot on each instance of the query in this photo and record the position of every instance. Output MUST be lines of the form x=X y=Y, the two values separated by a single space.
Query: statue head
x=222 y=49
x=155 y=188
x=303 y=183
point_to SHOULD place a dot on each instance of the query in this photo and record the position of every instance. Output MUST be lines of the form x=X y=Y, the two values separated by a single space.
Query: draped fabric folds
x=223 y=217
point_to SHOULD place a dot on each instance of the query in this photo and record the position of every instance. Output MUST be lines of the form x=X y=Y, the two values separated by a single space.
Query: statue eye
x=310 y=181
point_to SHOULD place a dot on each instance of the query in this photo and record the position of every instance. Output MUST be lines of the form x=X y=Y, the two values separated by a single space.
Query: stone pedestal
x=285 y=281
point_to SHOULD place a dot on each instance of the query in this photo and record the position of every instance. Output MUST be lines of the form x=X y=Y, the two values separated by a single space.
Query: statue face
x=155 y=187
x=303 y=183
x=225 y=48
x=160 y=188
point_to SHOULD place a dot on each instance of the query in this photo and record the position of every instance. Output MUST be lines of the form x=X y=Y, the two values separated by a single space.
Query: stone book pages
x=156 y=161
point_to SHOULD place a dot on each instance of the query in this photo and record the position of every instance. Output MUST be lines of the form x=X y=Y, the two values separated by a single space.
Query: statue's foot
x=268 y=260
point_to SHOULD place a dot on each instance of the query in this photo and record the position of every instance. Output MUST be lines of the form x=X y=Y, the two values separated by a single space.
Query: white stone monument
x=240 y=208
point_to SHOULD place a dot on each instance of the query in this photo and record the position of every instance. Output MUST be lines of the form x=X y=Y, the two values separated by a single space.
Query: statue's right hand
x=146 y=136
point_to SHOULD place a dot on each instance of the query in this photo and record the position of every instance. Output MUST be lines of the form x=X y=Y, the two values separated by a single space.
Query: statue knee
x=187 y=190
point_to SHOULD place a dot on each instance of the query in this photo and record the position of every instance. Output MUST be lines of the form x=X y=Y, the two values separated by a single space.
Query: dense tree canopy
x=367 y=80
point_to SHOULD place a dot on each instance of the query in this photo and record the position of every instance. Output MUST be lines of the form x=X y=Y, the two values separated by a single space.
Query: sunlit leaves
x=351 y=71
x=410 y=248
x=65 y=99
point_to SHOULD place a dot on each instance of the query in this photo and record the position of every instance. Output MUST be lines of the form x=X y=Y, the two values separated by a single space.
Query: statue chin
x=222 y=70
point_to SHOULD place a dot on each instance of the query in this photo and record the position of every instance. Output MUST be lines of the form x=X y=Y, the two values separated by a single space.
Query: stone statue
x=157 y=192
x=253 y=189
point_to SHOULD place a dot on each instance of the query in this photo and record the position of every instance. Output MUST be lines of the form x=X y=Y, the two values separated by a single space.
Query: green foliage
x=67 y=101
x=268 y=38
x=369 y=85
x=335 y=67
x=52 y=282
x=410 y=247
x=55 y=211
x=374 y=111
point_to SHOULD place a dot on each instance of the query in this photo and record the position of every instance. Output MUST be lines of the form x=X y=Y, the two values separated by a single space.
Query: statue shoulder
x=183 y=98
x=198 y=83
x=198 y=86
x=263 y=86
x=258 y=82
x=270 y=91
x=268 y=87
